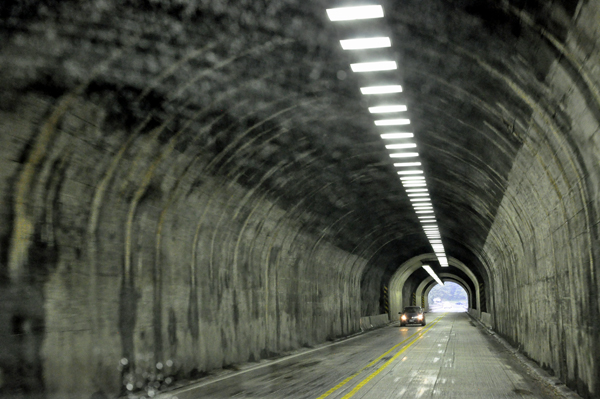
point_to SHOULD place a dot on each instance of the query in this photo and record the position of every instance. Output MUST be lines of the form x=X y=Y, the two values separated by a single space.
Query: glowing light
x=416 y=190
x=383 y=109
x=407 y=184
x=352 y=13
x=391 y=136
x=432 y=274
x=419 y=195
x=410 y=172
x=419 y=199
x=392 y=122
x=404 y=155
x=365 y=43
x=400 y=146
x=407 y=178
x=374 y=66
x=381 y=89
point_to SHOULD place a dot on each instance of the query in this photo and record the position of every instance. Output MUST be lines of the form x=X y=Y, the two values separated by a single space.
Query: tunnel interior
x=200 y=185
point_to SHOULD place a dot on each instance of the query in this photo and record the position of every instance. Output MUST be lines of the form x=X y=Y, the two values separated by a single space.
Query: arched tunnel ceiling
x=260 y=87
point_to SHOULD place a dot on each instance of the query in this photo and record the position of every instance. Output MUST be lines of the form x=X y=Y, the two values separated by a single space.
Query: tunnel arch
x=186 y=181
x=396 y=285
x=426 y=286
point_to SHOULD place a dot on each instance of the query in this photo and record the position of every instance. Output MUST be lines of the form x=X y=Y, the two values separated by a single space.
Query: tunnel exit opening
x=450 y=297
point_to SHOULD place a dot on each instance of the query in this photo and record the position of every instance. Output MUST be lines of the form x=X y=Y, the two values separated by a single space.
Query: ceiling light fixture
x=404 y=155
x=404 y=164
x=416 y=190
x=407 y=178
x=391 y=136
x=374 y=66
x=432 y=274
x=383 y=109
x=410 y=172
x=419 y=195
x=352 y=13
x=419 y=199
x=392 y=122
x=381 y=89
x=400 y=146
x=365 y=43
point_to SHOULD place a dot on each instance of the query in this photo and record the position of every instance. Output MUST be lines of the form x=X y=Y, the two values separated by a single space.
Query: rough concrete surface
x=187 y=186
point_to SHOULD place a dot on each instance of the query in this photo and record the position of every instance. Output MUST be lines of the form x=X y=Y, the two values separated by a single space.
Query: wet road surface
x=451 y=357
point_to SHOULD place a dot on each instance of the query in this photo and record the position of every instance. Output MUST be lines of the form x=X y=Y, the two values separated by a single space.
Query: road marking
x=384 y=366
x=345 y=381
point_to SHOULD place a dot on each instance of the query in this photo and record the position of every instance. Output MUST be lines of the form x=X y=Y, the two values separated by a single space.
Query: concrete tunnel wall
x=148 y=213
x=124 y=247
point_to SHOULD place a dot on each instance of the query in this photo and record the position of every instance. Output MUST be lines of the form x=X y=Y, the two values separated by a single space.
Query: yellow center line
x=345 y=381
x=380 y=369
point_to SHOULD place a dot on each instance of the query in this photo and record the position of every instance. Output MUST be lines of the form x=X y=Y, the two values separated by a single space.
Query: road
x=451 y=357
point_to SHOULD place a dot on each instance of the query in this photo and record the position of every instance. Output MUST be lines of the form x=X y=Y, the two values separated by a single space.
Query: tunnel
x=199 y=184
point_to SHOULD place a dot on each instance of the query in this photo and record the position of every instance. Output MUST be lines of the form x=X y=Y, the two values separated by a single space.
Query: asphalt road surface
x=451 y=357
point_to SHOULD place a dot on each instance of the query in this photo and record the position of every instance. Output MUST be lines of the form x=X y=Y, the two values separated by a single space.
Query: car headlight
x=420 y=317
x=403 y=317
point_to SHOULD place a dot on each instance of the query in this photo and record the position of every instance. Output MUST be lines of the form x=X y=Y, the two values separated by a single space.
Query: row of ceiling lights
x=410 y=174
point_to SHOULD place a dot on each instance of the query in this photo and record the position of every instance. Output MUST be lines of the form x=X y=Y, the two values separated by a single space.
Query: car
x=412 y=315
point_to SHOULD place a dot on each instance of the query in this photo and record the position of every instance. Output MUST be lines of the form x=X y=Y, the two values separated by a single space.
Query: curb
x=556 y=384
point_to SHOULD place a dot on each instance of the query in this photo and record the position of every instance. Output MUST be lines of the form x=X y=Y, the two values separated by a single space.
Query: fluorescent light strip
x=400 y=146
x=405 y=164
x=407 y=178
x=384 y=109
x=404 y=155
x=424 y=212
x=410 y=172
x=419 y=195
x=391 y=136
x=365 y=43
x=392 y=122
x=432 y=274
x=374 y=66
x=381 y=89
x=419 y=199
x=352 y=13
x=416 y=190
x=435 y=241
x=408 y=185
